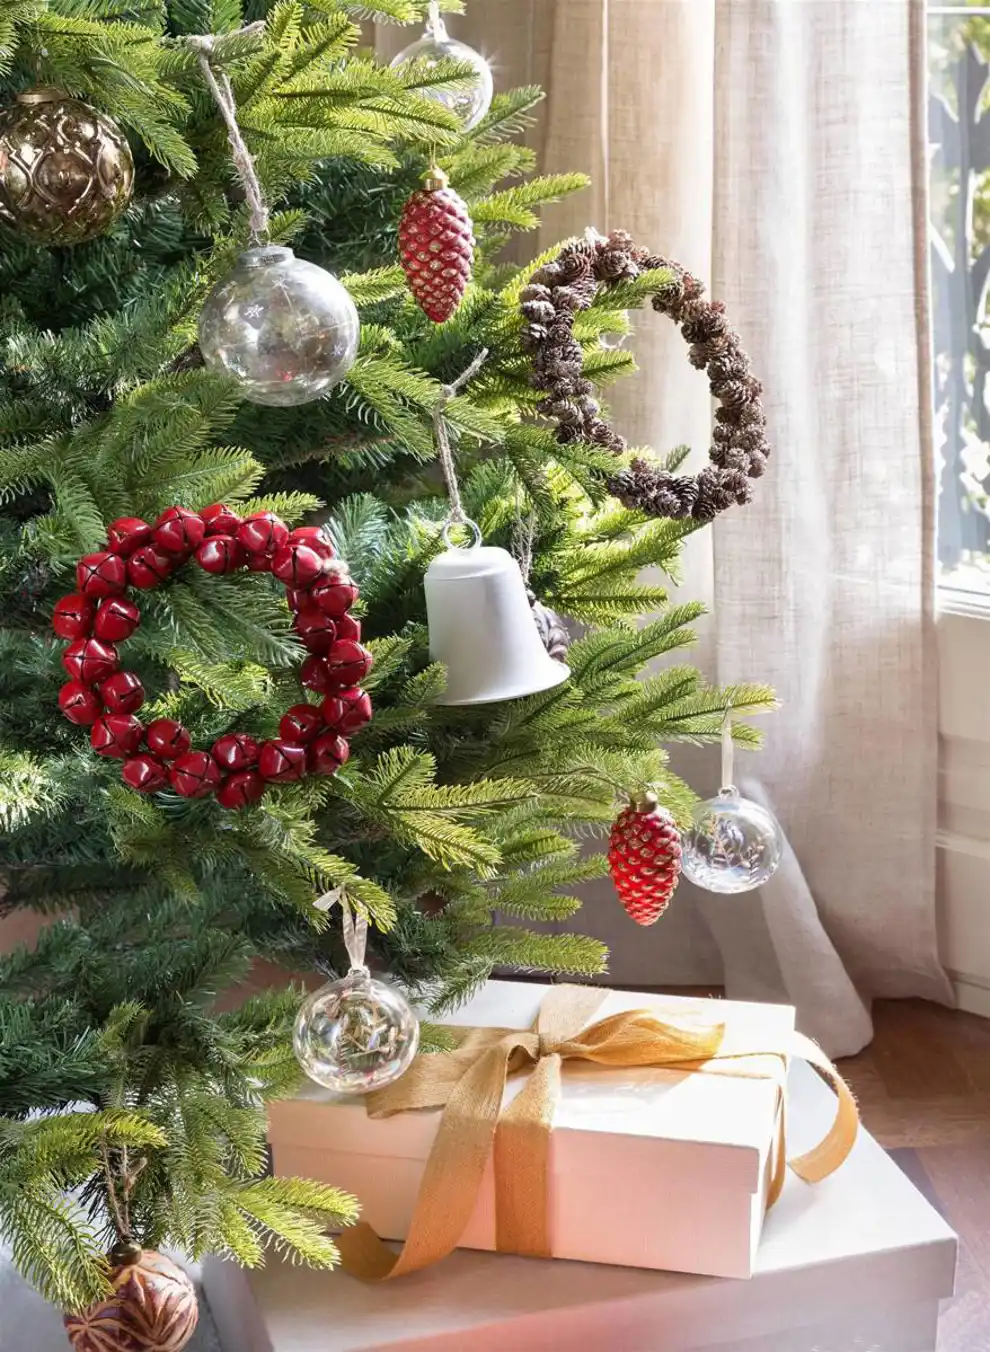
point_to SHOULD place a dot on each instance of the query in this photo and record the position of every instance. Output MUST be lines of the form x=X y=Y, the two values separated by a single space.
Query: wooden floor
x=924 y=1091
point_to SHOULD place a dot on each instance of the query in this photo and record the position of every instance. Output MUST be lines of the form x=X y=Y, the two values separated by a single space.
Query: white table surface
x=861 y=1257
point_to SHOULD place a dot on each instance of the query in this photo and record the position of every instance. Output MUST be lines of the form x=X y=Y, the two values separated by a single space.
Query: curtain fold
x=826 y=582
x=776 y=148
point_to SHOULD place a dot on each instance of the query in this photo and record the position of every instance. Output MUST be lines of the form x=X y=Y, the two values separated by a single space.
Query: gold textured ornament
x=66 y=170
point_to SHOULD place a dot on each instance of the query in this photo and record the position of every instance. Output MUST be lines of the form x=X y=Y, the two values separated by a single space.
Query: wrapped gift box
x=857 y=1263
x=653 y=1168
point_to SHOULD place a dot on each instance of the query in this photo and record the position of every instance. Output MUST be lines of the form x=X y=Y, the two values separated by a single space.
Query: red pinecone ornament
x=153 y=1309
x=644 y=858
x=436 y=246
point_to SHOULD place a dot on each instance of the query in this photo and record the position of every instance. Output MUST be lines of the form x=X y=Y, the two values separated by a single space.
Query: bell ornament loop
x=465 y=524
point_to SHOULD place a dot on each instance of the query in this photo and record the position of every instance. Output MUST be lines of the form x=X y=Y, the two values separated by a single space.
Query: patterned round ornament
x=285 y=329
x=355 y=1035
x=644 y=858
x=436 y=44
x=236 y=769
x=734 y=844
x=551 y=628
x=66 y=170
x=436 y=246
x=153 y=1309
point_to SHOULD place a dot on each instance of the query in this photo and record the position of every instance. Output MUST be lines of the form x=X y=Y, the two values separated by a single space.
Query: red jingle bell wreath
x=105 y=697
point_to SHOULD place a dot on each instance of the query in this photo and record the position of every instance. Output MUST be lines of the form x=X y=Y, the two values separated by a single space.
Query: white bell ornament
x=482 y=627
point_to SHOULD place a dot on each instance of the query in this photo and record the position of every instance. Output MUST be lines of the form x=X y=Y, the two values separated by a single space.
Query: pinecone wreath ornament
x=153 y=1307
x=436 y=246
x=553 y=631
x=644 y=858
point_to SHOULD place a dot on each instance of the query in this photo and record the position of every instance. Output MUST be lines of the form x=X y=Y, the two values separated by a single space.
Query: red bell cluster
x=237 y=769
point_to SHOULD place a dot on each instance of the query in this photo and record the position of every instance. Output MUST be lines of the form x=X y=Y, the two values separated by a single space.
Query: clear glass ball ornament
x=471 y=104
x=734 y=844
x=286 y=329
x=355 y=1035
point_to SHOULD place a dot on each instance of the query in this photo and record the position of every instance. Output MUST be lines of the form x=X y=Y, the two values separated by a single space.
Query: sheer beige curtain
x=776 y=147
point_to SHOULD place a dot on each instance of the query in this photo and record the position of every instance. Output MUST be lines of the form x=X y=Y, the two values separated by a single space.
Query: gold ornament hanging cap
x=42 y=94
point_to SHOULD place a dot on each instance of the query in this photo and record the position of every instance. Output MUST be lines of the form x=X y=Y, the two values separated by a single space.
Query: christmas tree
x=132 y=1108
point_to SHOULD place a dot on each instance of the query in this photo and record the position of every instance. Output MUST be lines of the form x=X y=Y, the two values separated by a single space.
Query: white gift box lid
x=732 y=1117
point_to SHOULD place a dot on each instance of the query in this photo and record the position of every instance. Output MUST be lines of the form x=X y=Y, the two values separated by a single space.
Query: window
x=959 y=135
x=959 y=132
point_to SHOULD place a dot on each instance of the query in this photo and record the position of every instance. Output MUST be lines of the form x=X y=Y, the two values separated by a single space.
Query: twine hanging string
x=523 y=537
x=222 y=90
x=456 y=515
x=354 y=928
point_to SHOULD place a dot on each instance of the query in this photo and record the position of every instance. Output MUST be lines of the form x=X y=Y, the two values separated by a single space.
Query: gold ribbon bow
x=469 y=1084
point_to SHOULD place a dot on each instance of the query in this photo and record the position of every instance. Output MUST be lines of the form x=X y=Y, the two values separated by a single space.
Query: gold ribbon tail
x=453 y=1172
x=833 y=1149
